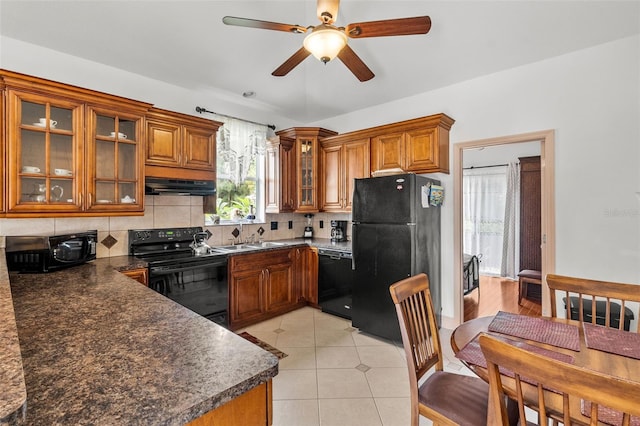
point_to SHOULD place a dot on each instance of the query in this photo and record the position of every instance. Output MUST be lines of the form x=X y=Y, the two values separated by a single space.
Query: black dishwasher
x=335 y=281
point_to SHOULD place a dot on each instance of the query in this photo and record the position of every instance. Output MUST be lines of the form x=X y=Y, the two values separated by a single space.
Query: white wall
x=26 y=58
x=591 y=98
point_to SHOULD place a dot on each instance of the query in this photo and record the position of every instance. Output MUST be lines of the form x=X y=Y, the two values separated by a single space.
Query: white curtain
x=510 y=257
x=239 y=143
x=484 y=193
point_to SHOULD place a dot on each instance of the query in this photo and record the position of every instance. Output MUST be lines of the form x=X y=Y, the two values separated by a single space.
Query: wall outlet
x=290 y=224
x=321 y=224
x=274 y=226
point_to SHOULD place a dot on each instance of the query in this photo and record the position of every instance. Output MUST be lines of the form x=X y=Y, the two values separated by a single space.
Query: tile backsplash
x=164 y=211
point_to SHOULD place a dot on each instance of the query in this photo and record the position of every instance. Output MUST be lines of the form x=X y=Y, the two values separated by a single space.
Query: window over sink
x=240 y=172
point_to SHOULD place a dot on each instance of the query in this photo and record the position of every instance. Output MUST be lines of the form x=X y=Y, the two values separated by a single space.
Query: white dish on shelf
x=62 y=172
x=127 y=200
x=30 y=169
x=52 y=126
x=120 y=135
x=104 y=201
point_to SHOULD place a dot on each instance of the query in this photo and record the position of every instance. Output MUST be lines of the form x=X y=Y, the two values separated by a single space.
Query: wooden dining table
x=594 y=359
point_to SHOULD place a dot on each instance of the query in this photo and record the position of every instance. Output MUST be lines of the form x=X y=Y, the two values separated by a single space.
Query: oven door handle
x=163 y=270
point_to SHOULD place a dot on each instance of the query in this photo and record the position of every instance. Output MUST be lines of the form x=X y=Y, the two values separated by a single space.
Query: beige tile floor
x=335 y=375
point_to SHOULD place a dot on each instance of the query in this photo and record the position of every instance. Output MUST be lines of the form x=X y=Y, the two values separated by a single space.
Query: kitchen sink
x=247 y=246
x=267 y=244
x=235 y=247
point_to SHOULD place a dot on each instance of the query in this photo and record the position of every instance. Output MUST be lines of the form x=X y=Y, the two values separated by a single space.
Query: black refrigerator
x=395 y=234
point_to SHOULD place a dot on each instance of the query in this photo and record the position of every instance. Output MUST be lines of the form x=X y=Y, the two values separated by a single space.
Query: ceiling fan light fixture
x=325 y=42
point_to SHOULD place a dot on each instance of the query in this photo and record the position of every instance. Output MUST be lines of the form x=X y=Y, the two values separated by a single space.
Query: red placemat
x=537 y=329
x=472 y=353
x=612 y=340
x=606 y=415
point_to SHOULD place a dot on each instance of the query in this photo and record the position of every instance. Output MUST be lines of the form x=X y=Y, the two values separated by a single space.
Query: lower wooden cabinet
x=141 y=275
x=261 y=285
x=251 y=408
x=307 y=274
x=279 y=284
x=246 y=297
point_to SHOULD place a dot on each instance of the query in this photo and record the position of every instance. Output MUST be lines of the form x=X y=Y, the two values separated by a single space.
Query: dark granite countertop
x=13 y=397
x=321 y=243
x=99 y=348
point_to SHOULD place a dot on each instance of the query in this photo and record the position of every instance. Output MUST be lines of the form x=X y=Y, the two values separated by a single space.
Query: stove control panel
x=162 y=235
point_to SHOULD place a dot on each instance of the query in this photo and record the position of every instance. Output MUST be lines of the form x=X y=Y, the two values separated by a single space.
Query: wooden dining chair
x=597 y=302
x=539 y=379
x=444 y=398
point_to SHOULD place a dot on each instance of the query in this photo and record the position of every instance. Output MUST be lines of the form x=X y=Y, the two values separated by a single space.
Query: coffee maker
x=338 y=230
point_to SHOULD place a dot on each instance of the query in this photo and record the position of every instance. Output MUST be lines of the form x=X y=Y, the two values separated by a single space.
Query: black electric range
x=196 y=281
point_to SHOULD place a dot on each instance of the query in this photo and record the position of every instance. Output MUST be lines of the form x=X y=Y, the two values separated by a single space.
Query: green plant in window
x=235 y=200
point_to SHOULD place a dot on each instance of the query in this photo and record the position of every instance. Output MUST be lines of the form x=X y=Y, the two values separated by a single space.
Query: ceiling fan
x=326 y=41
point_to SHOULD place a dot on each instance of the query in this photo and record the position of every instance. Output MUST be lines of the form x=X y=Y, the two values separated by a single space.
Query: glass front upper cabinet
x=44 y=153
x=307 y=189
x=115 y=158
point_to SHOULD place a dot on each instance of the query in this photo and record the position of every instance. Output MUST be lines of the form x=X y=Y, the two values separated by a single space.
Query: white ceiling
x=186 y=44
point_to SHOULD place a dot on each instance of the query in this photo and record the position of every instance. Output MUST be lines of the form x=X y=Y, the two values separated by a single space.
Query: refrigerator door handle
x=353 y=245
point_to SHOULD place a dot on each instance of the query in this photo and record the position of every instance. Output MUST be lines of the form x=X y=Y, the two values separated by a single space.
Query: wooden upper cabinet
x=342 y=161
x=115 y=172
x=280 y=175
x=420 y=145
x=423 y=150
x=388 y=151
x=356 y=165
x=163 y=143
x=307 y=150
x=71 y=150
x=180 y=145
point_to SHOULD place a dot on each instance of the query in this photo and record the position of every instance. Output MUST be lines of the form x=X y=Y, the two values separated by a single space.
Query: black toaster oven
x=30 y=253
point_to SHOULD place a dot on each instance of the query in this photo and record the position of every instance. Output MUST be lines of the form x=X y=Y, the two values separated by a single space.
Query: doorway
x=546 y=140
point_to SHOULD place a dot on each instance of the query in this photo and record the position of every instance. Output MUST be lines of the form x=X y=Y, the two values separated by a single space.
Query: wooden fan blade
x=291 y=63
x=355 y=64
x=389 y=27
x=263 y=25
x=327 y=10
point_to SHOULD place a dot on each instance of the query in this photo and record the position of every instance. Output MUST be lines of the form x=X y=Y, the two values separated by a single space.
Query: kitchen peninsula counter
x=13 y=397
x=99 y=348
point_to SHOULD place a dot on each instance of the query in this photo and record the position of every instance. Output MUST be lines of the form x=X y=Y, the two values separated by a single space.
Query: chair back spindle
x=445 y=398
x=605 y=303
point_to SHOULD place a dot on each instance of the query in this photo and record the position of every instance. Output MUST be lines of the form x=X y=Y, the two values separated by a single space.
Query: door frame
x=548 y=237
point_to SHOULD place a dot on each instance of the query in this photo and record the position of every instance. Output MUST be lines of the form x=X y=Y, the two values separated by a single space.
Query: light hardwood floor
x=497 y=294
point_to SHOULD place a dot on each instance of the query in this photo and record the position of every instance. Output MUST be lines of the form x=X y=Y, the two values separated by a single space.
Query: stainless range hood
x=159 y=186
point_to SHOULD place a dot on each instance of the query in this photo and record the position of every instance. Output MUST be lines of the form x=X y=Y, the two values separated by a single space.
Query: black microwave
x=26 y=253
